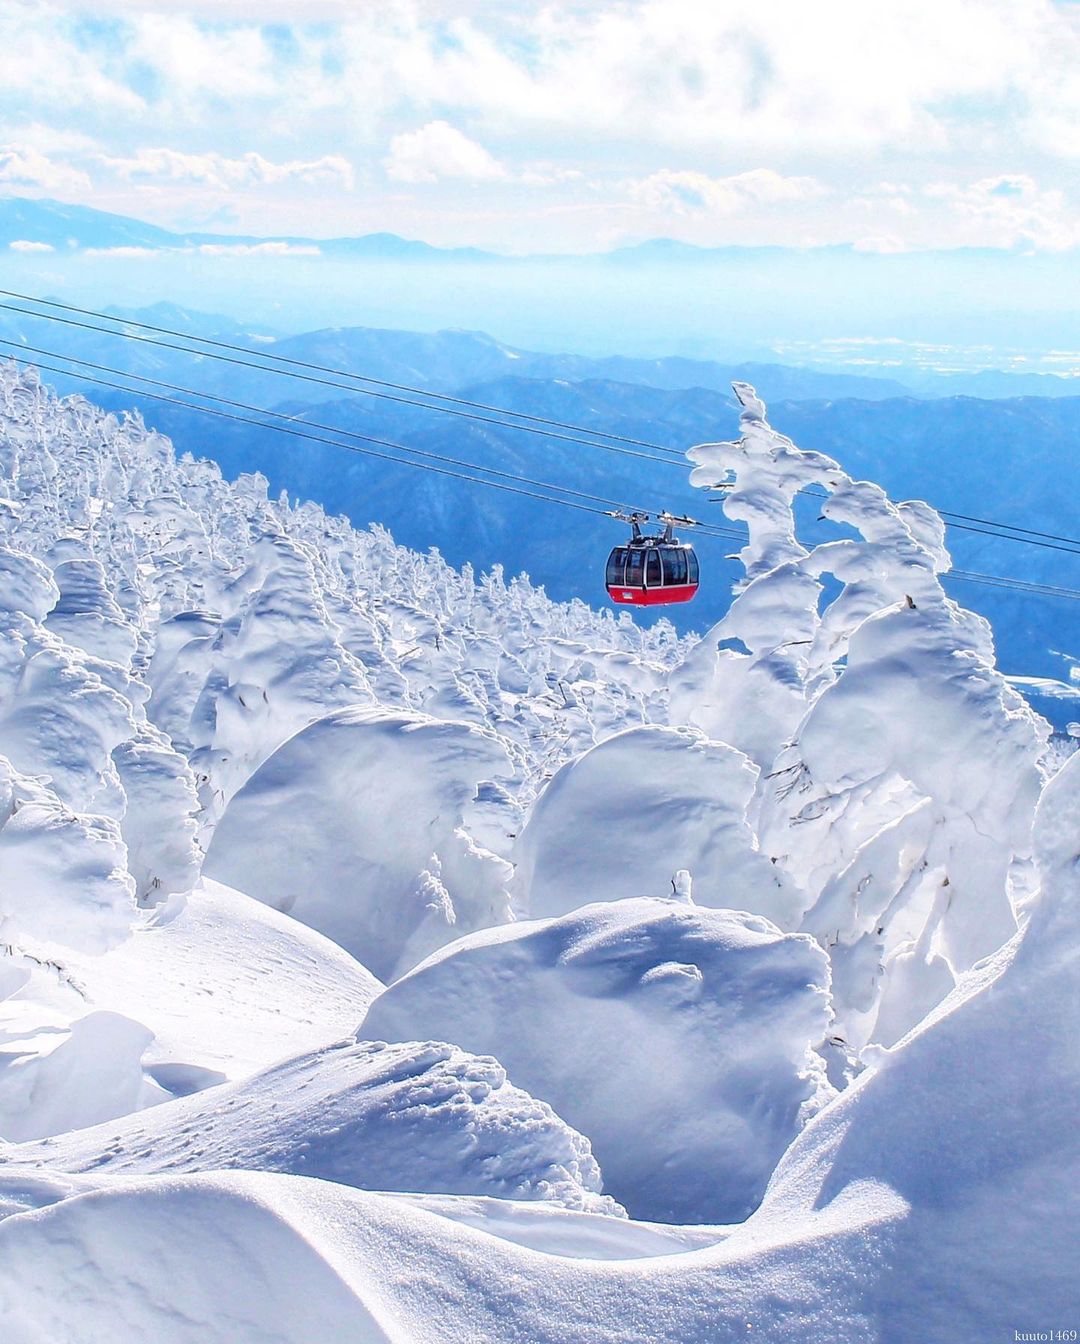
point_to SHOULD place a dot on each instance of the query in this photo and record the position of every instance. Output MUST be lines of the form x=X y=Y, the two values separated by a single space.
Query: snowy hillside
x=374 y=938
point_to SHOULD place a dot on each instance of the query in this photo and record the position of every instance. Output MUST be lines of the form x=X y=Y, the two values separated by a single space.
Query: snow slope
x=679 y=1038
x=268 y=1258
x=228 y=985
x=205 y=988
x=405 y=1117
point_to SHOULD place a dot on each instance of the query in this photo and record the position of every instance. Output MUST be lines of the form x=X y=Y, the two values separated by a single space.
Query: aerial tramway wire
x=620 y=505
x=341 y=387
x=290 y=428
x=1021 y=585
x=1072 y=549
x=580 y=434
x=312 y=366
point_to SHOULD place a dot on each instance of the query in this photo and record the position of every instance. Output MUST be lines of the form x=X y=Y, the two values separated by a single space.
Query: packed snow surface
x=679 y=1038
x=898 y=1215
x=265 y=1258
x=211 y=987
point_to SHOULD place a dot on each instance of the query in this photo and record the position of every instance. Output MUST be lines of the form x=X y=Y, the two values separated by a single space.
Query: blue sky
x=893 y=126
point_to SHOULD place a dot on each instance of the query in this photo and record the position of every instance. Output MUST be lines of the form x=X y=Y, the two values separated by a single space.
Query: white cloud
x=221 y=171
x=438 y=150
x=46 y=70
x=265 y=249
x=602 y=93
x=269 y=249
x=692 y=193
x=1009 y=210
x=775 y=76
x=24 y=168
x=25 y=245
x=882 y=243
x=125 y=251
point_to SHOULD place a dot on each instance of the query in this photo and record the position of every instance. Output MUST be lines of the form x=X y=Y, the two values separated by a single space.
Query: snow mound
x=679 y=1039
x=208 y=988
x=642 y=805
x=62 y=875
x=971 y=1122
x=57 y=1077
x=404 y=1117
x=219 y=1259
x=86 y=615
x=275 y=666
x=541 y=1226
x=356 y=827
x=272 y=1259
x=227 y=986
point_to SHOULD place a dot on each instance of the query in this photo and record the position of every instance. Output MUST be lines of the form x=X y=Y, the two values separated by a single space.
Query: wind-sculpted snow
x=209 y=987
x=62 y=877
x=58 y=714
x=623 y=818
x=355 y=827
x=679 y=1039
x=57 y=1076
x=970 y=1120
x=936 y=1198
x=86 y=614
x=255 y=616
x=272 y=1259
x=226 y=985
x=400 y=1117
x=277 y=665
x=899 y=769
x=163 y=633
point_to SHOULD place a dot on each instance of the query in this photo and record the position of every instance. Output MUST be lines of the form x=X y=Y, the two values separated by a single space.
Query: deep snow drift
x=654 y=801
x=407 y=1117
x=383 y=865
x=691 y=878
x=680 y=1039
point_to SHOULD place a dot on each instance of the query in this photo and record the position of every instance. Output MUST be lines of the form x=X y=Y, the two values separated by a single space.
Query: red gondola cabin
x=652 y=571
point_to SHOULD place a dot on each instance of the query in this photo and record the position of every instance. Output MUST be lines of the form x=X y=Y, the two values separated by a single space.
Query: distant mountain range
x=78 y=227
x=446 y=361
x=1002 y=459
x=442 y=361
x=658 y=296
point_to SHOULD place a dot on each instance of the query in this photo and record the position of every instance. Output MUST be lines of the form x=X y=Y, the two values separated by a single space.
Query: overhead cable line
x=674 y=455
x=290 y=428
x=349 y=433
x=326 y=382
x=325 y=368
x=1020 y=585
x=1071 y=549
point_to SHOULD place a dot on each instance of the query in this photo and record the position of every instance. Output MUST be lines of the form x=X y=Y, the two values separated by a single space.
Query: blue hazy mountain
x=444 y=361
x=656 y=298
x=77 y=227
